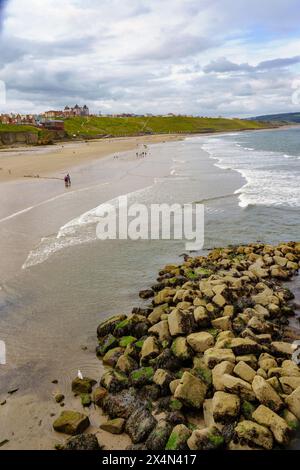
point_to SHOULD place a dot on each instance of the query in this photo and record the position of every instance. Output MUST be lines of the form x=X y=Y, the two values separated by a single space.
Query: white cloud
x=206 y=57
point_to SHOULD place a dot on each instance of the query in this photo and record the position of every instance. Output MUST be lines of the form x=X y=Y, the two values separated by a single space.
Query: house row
x=68 y=112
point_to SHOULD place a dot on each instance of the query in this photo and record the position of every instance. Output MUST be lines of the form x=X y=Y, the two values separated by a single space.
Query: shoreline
x=46 y=161
x=64 y=153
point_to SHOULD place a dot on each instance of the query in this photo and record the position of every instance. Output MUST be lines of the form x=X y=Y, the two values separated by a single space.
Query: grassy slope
x=16 y=128
x=93 y=126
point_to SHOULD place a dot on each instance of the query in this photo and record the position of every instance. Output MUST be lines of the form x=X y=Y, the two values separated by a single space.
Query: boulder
x=214 y=356
x=161 y=331
x=114 y=381
x=178 y=438
x=120 y=405
x=181 y=349
x=241 y=346
x=201 y=317
x=163 y=378
x=173 y=385
x=225 y=406
x=140 y=424
x=113 y=426
x=165 y=296
x=253 y=434
x=84 y=385
x=293 y=402
x=222 y=323
x=112 y=356
x=71 y=422
x=134 y=325
x=238 y=386
x=108 y=326
x=106 y=343
x=266 y=394
x=244 y=371
x=277 y=425
x=289 y=384
x=280 y=348
x=206 y=439
x=142 y=376
x=156 y=313
x=219 y=300
x=158 y=438
x=267 y=362
x=200 y=342
x=126 y=364
x=150 y=349
x=82 y=442
x=191 y=391
x=180 y=322
x=218 y=372
x=98 y=395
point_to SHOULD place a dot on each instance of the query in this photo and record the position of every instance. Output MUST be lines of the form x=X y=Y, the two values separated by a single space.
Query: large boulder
x=248 y=432
x=84 y=385
x=218 y=372
x=71 y=422
x=280 y=348
x=178 y=438
x=181 y=349
x=180 y=322
x=163 y=378
x=142 y=376
x=238 y=386
x=113 y=426
x=266 y=394
x=266 y=417
x=191 y=391
x=293 y=402
x=82 y=442
x=158 y=438
x=200 y=342
x=206 y=439
x=134 y=325
x=150 y=349
x=161 y=331
x=114 y=381
x=214 y=356
x=120 y=405
x=140 y=424
x=225 y=406
x=244 y=371
x=242 y=346
x=112 y=356
x=108 y=326
x=201 y=316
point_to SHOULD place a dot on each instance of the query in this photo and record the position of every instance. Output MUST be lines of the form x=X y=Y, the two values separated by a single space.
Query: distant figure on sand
x=67 y=180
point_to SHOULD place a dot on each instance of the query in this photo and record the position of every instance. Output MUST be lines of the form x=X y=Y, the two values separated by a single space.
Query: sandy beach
x=42 y=161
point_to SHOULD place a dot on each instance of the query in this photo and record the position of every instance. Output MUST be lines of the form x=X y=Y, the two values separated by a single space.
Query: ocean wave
x=80 y=230
x=270 y=178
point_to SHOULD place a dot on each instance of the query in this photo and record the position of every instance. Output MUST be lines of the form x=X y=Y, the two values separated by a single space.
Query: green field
x=119 y=126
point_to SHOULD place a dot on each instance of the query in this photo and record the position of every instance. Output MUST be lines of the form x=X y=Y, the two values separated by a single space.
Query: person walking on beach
x=67 y=179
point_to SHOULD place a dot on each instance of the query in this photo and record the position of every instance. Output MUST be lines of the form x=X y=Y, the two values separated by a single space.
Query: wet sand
x=58 y=159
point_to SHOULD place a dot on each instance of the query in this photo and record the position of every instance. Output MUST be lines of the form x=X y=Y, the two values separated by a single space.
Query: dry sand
x=44 y=161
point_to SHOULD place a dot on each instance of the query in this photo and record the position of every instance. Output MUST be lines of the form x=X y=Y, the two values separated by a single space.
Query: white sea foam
x=270 y=178
x=81 y=229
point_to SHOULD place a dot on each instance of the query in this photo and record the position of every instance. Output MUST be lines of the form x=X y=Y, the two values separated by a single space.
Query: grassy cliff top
x=17 y=128
x=119 y=126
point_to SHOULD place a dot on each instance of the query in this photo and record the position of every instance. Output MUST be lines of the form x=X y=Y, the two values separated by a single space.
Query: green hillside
x=17 y=128
x=121 y=126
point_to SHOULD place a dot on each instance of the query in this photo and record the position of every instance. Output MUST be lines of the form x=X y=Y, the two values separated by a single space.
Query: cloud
x=223 y=65
x=205 y=57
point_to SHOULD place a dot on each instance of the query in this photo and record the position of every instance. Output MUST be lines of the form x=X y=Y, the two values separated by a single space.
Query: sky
x=201 y=57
